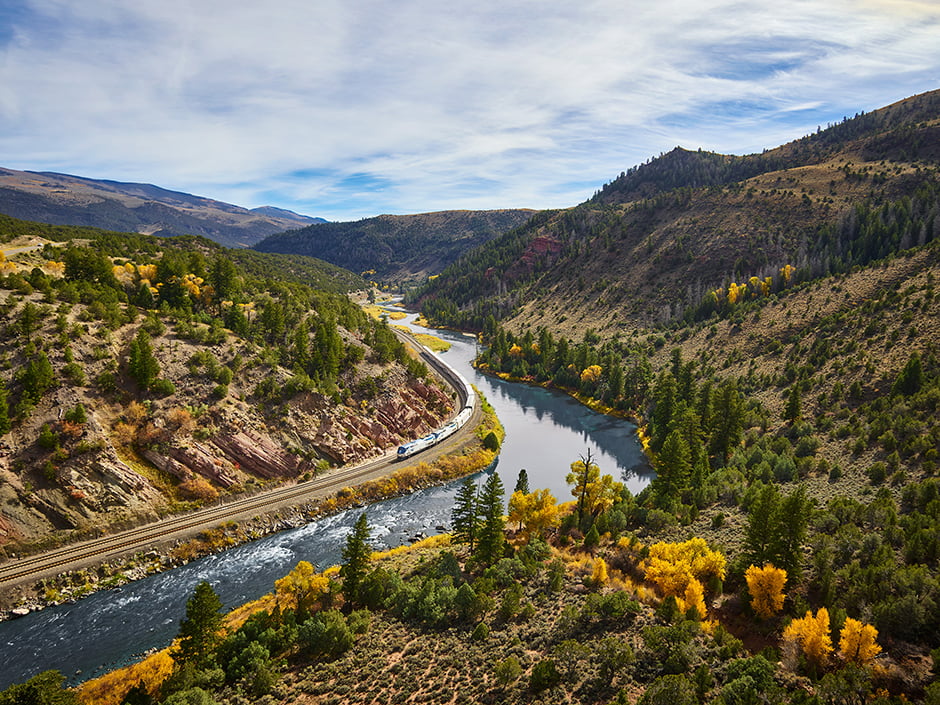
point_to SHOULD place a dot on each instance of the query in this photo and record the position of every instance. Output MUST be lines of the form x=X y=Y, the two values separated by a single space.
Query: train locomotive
x=446 y=431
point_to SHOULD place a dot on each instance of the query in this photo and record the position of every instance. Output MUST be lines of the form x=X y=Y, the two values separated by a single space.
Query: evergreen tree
x=664 y=406
x=911 y=378
x=46 y=688
x=787 y=542
x=673 y=469
x=37 y=377
x=199 y=630
x=144 y=298
x=464 y=517
x=490 y=503
x=762 y=521
x=728 y=422
x=791 y=411
x=4 y=410
x=522 y=482
x=141 y=363
x=356 y=555
x=223 y=276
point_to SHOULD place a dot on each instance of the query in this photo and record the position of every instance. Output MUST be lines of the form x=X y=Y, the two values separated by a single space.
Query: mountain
x=652 y=244
x=397 y=248
x=61 y=199
x=146 y=375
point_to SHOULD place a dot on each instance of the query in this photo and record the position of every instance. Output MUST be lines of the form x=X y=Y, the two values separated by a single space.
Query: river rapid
x=545 y=432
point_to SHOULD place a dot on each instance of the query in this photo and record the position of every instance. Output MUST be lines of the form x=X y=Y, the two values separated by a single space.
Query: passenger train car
x=448 y=430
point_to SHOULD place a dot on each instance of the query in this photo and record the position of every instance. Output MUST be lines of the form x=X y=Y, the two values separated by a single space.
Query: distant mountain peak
x=64 y=199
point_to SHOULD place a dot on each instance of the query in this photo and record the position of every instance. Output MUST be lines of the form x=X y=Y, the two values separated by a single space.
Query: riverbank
x=467 y=459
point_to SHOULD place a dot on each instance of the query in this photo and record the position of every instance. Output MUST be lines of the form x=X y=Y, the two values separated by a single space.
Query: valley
x=772 y=322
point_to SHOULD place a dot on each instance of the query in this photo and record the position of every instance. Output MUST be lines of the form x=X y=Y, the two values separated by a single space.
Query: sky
x=345 y=109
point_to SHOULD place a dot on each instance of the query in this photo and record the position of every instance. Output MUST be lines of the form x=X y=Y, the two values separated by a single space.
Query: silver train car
x=446 y=431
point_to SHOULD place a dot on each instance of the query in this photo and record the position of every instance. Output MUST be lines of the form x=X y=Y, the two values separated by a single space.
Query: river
x=545 y=432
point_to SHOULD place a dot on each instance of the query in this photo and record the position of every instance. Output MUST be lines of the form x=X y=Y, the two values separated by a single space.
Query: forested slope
x=143 y=375
x=397 y=248
x=652 y=244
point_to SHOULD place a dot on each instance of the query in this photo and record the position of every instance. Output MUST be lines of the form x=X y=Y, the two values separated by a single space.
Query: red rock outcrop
x=257 y=453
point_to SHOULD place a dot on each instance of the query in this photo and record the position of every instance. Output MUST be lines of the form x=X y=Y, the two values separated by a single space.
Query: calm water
x=545 y=433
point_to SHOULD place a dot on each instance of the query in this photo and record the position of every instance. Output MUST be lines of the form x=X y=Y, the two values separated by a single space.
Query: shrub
x=48 y=438
x=481 y=632
x=544 y=675
x=163 y=387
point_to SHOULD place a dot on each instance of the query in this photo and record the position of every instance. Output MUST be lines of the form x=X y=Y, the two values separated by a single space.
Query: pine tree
x=664 y=406
x=490 y=503
x=141 y=363
x=356 y=555
x=199 y=630
x=911 y=378
x=759 y=533
x=37 y=377
x=522 y=482
x=673 y=469
x=464 y=517
x=790 y=532
x=791 y=411
x=728 y=421
x=4 y=410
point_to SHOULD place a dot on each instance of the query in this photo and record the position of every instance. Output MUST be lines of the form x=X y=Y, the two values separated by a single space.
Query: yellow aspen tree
x=766 y=588
x=147 y=272
x=786 y=272
x=754 y=285
x=591 y=373
x=811 y=634
x=694 y=596
x=515 y=351
x=300 y=588
x=534 y=513
x=680 y=570
x=599 y=574
x=766 y=285
x=735 y=292
x=858 y=642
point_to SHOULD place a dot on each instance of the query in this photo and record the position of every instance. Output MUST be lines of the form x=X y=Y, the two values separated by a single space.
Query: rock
x=201 y=460
x=257 y=453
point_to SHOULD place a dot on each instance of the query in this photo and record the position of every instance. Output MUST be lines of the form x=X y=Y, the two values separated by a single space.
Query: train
x=447 y=430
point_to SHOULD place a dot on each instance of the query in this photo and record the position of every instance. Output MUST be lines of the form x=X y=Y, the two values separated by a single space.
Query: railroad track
x=60 y=559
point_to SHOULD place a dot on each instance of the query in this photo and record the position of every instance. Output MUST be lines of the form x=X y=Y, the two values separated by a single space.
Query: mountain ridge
x=650 y=244
x=66 y=199
x=399 y=248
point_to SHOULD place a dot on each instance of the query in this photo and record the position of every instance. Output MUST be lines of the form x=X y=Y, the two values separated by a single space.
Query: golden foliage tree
x=681 y=570
x=811 y=634
x=535 y=512
x=766 y=588
x=595 y=493
x=301 y=588
x=858 y=642
x=599 y=575
x=591 y=373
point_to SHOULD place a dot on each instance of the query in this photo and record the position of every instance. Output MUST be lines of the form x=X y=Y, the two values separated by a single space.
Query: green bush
x=544 y=675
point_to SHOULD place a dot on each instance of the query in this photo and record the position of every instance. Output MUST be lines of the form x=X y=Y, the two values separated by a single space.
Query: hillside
x=62 y=199
x=654 y=242
x=398 y=249
x=145 y=375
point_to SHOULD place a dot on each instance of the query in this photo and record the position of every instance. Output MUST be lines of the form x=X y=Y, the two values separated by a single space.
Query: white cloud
x=421 y=105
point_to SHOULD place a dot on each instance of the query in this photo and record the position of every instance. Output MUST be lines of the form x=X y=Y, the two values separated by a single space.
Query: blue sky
x=345 y=109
